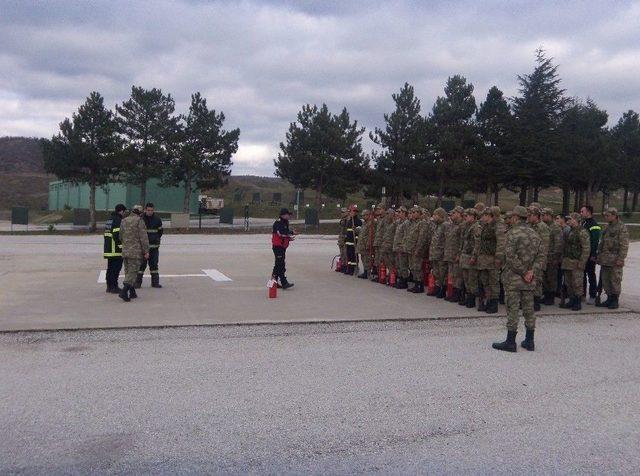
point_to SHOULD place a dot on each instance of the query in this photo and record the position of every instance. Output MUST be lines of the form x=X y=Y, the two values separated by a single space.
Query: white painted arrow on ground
x=208 y=273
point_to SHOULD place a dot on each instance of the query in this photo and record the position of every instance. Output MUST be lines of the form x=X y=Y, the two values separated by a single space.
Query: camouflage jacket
x=133 y=234
x=387 y=238
x=379 y=233
x=542 y=229
x=411 y=236
x=522 y=254
x=614 y=244
x=470 y=234
x=489 y=246
x=343 y=231
x=576 y=250
x=426 y=229
x=554 y=255
x=399 y=238
x=436 y=248
x=452 y=240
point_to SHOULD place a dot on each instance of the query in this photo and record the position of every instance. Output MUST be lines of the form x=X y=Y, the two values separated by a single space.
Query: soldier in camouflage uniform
x=399 y=251
x=386 y=245
x=501 y=235
x=488 y=257
x=575 y=255
x=541 y=228
x=420 y=250
x=377 y=239
x=452 y=240
x=342 y=233
x=364 y=244
x=436 y=251
x=612 y=251
x=135 y=248
x=554 y=257
x=471 y=233
x=522 y=260
x=410 y=242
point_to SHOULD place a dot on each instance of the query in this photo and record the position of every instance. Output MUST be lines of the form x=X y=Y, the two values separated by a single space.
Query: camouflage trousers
x=573 y=280
x=377 y=256
x=343 y=253
x=470 y=279
x=415 y=265
x=402 y=263
x=611 y=280
x=365 y=259
x=488 y=279
x=539 y=276
x=515 y=299
x=439 y=270
x=131 y=267
x=550 y=281
x=388 y=259
x=453 y=269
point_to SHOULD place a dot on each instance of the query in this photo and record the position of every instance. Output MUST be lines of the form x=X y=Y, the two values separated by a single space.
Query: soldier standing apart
x=377 y=240
x=469 y=271
x=554 y=257
x=541 y=228
x=364 y=243
x=353 y=224
x=612 y=251
x=154 y=231
x=281 y=236
x=594 y=230
x=575 y=256
x=113 y=248
x=488 y=258
x=399 y=252
x=523 y=261
x=436 y=252
x=386 y=246
x=452 y=252
x=135 y=248
x=343 y=231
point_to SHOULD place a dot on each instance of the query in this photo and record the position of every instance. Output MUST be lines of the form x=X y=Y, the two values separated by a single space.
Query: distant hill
x=23 y=180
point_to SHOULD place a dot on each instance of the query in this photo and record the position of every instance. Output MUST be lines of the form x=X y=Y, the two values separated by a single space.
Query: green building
x=165 y=199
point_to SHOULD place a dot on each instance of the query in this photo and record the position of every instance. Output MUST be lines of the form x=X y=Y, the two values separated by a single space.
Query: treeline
x=143 y=138
x=541 y=138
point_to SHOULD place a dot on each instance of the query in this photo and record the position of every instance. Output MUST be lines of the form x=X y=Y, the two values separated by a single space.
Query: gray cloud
x=260 y=61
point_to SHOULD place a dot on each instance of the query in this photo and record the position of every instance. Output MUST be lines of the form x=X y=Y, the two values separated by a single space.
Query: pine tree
x=626 y=134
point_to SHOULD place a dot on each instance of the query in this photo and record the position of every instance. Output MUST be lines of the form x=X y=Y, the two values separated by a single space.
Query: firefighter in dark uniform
x=353 y=224
x=113 y=248
x=280 y=239
x=154 y=232
x=594 y=230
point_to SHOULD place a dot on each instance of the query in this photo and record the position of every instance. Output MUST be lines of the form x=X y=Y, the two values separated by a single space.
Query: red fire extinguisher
x=425 y=272
x=449 y=286
x=272 y=286
x=393 y=276
x=339 y=265
x=382 y=274
x=431 y=285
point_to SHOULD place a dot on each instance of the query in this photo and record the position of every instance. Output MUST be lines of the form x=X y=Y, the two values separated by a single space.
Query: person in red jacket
x=280 y=239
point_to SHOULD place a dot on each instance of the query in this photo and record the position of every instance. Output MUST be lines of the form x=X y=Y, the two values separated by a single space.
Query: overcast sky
x=260 y=61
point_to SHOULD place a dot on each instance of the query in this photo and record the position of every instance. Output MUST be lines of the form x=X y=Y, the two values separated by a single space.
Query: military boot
x=155 y=280
x=482 y=304
x=613 y=304
x=549 y=299
x=435 y=292
x=567 y=304
x=442 y=293
x=528 y=342
x=492 y=306
x=471 y=301
x=401 y=283
x=576 y=304
x=462 y=298
x=285 y=284
x=418 y=288
x=509 y=345
x=124 y=294
x=138 y=283
x=132 y=293
x=364 y=274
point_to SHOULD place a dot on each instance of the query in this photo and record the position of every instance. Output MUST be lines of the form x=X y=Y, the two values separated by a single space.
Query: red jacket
x=281 y=235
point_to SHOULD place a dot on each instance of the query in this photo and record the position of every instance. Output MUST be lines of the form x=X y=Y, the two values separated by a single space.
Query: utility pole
x=297 y=204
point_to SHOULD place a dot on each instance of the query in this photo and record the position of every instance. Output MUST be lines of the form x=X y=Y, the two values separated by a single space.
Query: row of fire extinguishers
x=389 y=277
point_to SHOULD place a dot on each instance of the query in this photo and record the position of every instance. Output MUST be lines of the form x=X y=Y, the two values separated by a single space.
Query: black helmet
x=284 y=211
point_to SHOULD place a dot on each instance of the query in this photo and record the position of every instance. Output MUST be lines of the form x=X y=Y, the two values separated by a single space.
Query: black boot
x=132 y=293
x=436 y=291
x=577 y=304
x=350 y=270
x=124 y=294
x=462 y=298
x=613 y=303
x=418 y=288
x=567 y=304
x=528 y=343
x=442 y=293
x=536 y=303
x=482 y=305
x=155 y=280
x=471 y=301
x=509 y=345
x=401 y=283
x=549 y=299
x=138 y=282
x=410 y=285
x=492 y=306
x=285 y=284
x=364 y=274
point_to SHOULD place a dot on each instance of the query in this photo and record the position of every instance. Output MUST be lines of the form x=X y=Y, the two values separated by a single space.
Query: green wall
x=167 y=199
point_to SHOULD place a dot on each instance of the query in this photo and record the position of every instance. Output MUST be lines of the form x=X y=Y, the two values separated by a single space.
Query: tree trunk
x=529 y=195
x=440 y=192
x=92 y=206
x=319 y=199
x=588 y=198
x=487 y=195
x=536 y=193
x=143 y=193
x=186 y=203
x=462 y=194
x=625 y=203
x=523 y=196
x=575 y=200
x=566 y=199
x=581 y=201
x=496 y=194
x=634 y=203
x=604 y=201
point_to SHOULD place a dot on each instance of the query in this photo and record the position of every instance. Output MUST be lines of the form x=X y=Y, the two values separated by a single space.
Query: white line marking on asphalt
x=216 y=275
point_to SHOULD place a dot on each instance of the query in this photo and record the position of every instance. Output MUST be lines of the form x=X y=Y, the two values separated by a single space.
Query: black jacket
x=594 y=234
x=350 y=233
x=154 y=229
x=112 y=243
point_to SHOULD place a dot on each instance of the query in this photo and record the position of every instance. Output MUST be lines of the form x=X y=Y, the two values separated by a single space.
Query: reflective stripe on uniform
x=152 y=230
x=154 y=246
x=596 y=227
x=107 y=235
x=351 y=263
x=349 y=243
x=115 y=229
x=112 y=255
x=349 y=229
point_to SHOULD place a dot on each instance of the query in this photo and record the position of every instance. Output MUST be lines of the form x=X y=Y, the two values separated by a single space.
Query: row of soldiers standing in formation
x=468 y=249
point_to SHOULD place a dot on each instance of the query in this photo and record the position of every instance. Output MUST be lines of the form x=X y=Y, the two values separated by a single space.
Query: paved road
x=387 y=398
